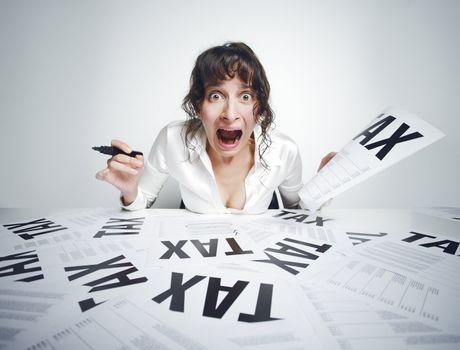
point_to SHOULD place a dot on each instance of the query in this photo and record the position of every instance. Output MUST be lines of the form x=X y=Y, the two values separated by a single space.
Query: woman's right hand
x=123 y=172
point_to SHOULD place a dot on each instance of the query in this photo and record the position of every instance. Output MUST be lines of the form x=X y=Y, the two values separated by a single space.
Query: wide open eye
x=246 y=97
x=214 y=96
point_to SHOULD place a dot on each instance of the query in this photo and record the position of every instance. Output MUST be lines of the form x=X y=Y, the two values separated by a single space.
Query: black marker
x=113 y=151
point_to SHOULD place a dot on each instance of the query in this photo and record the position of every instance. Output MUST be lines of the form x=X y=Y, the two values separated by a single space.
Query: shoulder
x=172 y=139
x=171 y=131
x=167 y=138
x=174 y=127
x=282 y=151
x=282 y=144
x=281 y=138
x=168 y=145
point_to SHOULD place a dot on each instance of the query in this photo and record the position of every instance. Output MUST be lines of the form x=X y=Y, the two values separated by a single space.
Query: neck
x=245 y=155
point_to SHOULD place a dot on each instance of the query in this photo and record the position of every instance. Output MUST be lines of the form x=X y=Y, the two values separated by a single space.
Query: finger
x=122 y=158
x=130 y=161
x=102 y=174
x=137 y=163
x=107 y=175
x=139 y=160
x=123 y=168
x=121 y=145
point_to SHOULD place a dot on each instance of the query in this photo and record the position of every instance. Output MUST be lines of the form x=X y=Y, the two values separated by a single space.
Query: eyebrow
x=214 y=86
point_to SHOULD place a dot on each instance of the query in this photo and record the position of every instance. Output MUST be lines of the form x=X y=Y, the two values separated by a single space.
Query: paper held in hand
x=392 y=136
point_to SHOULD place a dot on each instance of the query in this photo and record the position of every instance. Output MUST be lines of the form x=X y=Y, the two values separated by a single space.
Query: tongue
x=228 y=134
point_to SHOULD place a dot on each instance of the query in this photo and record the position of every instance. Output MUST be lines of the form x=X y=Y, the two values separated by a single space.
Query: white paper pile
x=288 y=279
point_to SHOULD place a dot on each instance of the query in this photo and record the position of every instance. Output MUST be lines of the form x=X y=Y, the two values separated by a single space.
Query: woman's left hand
x=326 y=159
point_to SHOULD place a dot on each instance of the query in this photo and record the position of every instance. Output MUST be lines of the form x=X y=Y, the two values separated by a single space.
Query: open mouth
x=230 y=136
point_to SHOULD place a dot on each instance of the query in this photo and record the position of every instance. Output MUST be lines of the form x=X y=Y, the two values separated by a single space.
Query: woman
x=226 y=156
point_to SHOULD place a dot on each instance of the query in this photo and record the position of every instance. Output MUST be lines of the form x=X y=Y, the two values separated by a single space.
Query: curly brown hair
x=225 y=62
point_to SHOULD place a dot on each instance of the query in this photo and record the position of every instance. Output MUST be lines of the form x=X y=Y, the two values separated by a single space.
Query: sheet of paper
x=30 y=265
x=411 y=273
x=84 y=217
x=262 y=228
x=102 y=277
x=32 y=233
x=448 y=213
x=302 y=222
x=193 y=226
x=357 y=236
x=298 y=216
x=236 y=311
x=96 y=270
x=83 y=224
x=389 y=138
x=123 y=325
x=295 y=257
x=112 y=224
x=260 y=310
x=204 y=249
x=427 y=255
x=443 y=220
x=26 y=312
x=346 y=322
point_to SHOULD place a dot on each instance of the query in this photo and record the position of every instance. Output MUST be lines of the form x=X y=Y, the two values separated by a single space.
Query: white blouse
x=193 y=171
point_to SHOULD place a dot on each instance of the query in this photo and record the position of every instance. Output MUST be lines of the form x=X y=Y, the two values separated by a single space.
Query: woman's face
x=227 y=114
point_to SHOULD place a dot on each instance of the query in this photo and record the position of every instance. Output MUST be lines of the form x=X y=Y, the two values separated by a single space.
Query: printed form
x=188 y=308
x=414 y=274
x=389 y=138
x=346 y=322
x=25 y=312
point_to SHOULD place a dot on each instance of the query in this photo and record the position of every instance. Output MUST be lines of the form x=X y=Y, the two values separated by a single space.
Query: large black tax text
x=446 y=245
x=30 y=229
x=211 y=307
x=112 y=280
x=206 y=249
x=23 y=263
x=388 y=143
x=295 y=249
x=300 y=217
x=123 y=226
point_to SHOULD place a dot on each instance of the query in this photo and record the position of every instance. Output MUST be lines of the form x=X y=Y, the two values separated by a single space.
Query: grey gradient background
x=75 y=74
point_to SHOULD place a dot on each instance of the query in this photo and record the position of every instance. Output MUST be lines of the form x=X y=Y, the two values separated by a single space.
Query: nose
x=230 y=111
